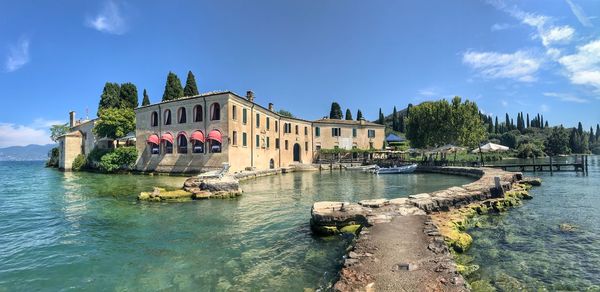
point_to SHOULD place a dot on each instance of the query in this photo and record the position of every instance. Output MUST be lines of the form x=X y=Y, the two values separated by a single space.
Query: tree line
x=336 y=113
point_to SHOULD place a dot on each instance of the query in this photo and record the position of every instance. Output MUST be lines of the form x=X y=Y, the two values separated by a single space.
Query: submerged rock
x=566 y=227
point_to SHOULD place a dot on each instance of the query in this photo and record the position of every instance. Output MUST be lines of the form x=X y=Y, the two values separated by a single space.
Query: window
x=167 y=117
x=198 y=113
x=244 y=139
x=305 y=130
x=286 y=145
x=257 y=141
x=197 y=146
x=318 y=132
x=154 y=148
x=234 y=112
x=154 y=119
x=371 y=133
x=276 y=143
x=182 y=143
x=306 y=146
x=181 y=115
x=214 y=139
x=268 y=142
x=257 y=120
x=268 y=123
x=276 y=126
x=336 y=132
x=234 y=138
x=354 y=132
x=215 y=112
x=244 y=116
x=168 y=147
x=296 y=129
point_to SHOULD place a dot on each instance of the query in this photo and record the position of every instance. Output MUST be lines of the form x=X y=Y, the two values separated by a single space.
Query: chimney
x=72 y=119
x=270 y=106
x=250 y=95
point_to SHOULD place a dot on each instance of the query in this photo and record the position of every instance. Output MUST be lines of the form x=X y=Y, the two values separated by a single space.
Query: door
x=297 y=152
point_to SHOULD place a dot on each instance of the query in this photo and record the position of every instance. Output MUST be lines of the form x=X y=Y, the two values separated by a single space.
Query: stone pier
x=403 y=244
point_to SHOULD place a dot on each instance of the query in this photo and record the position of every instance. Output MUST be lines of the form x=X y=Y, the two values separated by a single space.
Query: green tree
x=128 y=95
x=110 y=97
x=528 y=122
x=115 y=123
x=285 y=113
x=190 y=85
x=146 y=100
x=58 y=130
x=401 y=124
x=348 y=115
x=580 y=129
x=592 y=137
x=558 y=142
x=597 y=132
x=496 y=130
x=336 y=111
x=381 y=119
x=359 y=115
x=395 y=119
x=173 y=89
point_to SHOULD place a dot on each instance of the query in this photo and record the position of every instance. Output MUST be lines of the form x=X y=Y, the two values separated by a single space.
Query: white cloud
x=504 y=103
x=520 y=65
x=500 y=26
x=557 y=35
x=430 y=91
x=583 y=67
x=19 y=135
x=580 y=14
x=544 y=108
x=109 y=20
x=566 y=97
x=18 y=55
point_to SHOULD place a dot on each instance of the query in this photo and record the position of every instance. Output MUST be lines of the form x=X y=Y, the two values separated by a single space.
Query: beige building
x=202 y=132
x=79 y=140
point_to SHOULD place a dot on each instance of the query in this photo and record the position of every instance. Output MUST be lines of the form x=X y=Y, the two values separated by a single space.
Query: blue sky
x=508 y=56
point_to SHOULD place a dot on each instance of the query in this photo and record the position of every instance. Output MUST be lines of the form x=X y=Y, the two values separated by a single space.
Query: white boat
x=396 y=169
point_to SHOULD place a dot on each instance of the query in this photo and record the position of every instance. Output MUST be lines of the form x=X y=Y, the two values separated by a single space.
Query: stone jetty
x=404 y=244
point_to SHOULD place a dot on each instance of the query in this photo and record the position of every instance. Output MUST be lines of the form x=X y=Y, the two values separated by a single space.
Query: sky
x=509 y=56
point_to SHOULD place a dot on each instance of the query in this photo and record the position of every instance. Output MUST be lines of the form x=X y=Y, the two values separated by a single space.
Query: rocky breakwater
x=198 y=188
x=444 y=217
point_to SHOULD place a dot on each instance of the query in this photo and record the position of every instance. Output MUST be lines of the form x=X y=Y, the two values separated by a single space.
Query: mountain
x=25 y=153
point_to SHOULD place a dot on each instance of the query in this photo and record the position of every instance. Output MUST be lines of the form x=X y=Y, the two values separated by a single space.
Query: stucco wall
x=362 y=141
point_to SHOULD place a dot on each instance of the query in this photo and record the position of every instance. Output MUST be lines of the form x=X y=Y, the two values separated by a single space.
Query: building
x=202 y=132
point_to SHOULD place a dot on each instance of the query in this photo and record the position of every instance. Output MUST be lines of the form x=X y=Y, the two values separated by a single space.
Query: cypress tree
x=359 y=115
x=128 y=95
x=109 y=97
x=592 y=136
x=336 y=111
x=395 y=119
x=381 y=119
x=190 y=85
x=507 y=121
x=542 y=122
x=496 y=126
x=537 y=122
x=546 y=125
x=597 y=132
x=580 y=129
x=146 y=100
x=408 y=109
x=528 y=124
x=401 y=123
x=173 y=89
x=348 y=115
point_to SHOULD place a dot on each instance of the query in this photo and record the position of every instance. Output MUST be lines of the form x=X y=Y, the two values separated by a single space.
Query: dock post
x=586 y=166
x=551 y=167
x=534 y=164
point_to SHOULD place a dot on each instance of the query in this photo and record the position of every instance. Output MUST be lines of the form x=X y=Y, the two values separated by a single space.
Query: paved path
x=406 y=254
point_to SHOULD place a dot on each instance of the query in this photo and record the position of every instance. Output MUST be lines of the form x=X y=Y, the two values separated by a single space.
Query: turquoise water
x=75 y=231
x=525 y=249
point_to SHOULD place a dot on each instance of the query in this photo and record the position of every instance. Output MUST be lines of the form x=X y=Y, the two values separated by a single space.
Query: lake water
x=75 y=231
x=525 y=249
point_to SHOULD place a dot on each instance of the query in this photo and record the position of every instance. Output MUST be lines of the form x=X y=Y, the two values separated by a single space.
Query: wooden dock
x=579 y=165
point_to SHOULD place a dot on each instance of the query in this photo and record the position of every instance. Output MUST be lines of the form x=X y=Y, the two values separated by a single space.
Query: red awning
x=182 y=133
x=215 y=135
x=153 y=139
x=197 y=136
x=167 y=137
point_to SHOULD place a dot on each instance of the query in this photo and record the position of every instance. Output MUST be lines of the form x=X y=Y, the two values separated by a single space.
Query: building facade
x=79 y=140
x=200 y=133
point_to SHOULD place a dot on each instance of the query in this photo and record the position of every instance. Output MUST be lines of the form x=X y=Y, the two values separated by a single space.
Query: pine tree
x=190 y=85
x=381 y=119
x=173 y=89
x=109 y=97
x=580 y=129
x=128 y=95
x=146 y=100
x=336 y=111
x=348 y=115
x=395 y=119
x=359 y=115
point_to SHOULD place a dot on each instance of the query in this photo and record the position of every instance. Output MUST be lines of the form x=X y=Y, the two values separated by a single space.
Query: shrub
x=121 y=158
x=528 y=150
x=53 y=157
x=97 y=153
x=79 y=162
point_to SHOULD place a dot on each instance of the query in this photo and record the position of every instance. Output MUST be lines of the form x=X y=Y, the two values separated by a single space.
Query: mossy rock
x=325 y=230
x=353 y=228
x=482 y=286
x=466 y=270
x=459 y=241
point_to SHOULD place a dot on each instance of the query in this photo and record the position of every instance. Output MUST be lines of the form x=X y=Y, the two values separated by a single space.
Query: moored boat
x=396 y=169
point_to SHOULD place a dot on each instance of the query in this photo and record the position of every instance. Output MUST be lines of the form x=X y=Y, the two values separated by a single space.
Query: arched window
x=182 y=143
x=181 y=116
x=154 y=143
x=167 y=140
x=215 y=141
x=154 y=119
x=197 y=140
x=198 y=113
x=215 y=112
x=167 y=117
